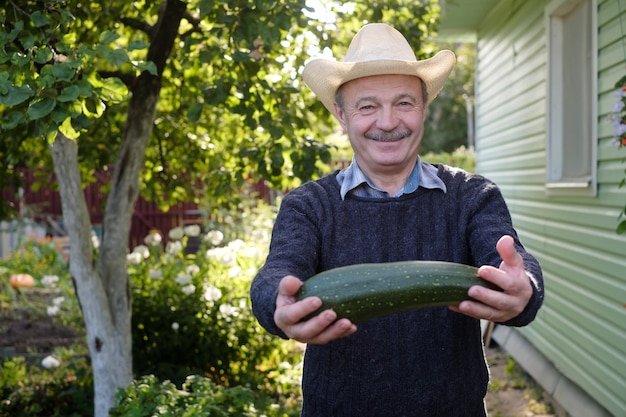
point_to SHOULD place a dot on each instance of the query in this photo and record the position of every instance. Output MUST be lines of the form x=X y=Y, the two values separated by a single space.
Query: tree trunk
x=103 y=291
x=109 y=348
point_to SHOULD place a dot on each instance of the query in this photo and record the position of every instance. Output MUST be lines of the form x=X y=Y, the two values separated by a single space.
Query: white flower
x=134 y=258
x=215 y=237
x=57 y=301
x=154 y=238
x=251 y=252
x=260 y=235
x=228 y=310
x=192 y=230
x=183 y=279
x=176 y=233
x=222 y=255
x=52 y=310
x=50 y=362
x=94 y=240
x=175 y=326
x=212 y=293
x=234 y=271
x=192 y=269
x=237 y=245
x=142 y=250
x=49 y=281
x=174 y=247
x=188 y=289
x=155 y=274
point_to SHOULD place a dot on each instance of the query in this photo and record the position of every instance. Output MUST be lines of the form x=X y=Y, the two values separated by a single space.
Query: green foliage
x=238 y=367
x=30 y=390
x=232 y=106
x=461 y=157
x=40 y=258
x=199 y=396
x=192 y=314
x=618 y=119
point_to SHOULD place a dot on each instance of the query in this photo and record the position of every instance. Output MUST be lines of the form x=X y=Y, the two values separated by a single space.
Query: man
x=389 y=206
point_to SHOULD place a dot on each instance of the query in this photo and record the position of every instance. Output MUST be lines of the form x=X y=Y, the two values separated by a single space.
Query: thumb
x=510 y=257
x=289 y=286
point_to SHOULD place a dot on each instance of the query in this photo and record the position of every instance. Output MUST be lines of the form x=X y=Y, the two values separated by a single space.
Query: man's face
x=383 y=116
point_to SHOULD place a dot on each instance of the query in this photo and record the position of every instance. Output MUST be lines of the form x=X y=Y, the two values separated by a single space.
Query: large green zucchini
x=364 y=291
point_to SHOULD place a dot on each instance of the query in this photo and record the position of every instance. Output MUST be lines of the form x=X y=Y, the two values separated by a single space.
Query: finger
x=340 y=328
x=289 y=313
x=510 y=257
x=479 y=311
x=289 y=286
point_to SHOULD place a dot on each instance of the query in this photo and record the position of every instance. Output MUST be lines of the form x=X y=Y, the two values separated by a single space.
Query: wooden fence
x=43 y=206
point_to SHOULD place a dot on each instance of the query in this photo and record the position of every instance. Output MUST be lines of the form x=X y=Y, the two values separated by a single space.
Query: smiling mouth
x=388 y=136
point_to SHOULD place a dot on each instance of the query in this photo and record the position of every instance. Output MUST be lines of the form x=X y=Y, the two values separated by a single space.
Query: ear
x=340 y=115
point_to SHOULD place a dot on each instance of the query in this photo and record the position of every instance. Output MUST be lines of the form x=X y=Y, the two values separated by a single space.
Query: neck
x=392 y=179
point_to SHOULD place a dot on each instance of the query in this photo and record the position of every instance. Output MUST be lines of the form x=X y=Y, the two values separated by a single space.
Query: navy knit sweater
x=428 y=362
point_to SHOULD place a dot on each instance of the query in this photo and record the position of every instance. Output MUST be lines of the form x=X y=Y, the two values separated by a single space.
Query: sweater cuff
x=530 y=311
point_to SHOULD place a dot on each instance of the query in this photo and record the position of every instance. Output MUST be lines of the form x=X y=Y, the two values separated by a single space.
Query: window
x=572 y=97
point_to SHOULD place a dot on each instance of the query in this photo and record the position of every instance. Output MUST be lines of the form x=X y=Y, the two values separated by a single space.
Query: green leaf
x=27 y=40
x=116 y=57
x=621 y=227
x=63 y=71
x=68 y=130
x=41 y=108
x=16 y=95
x=146 y=66
x=19 y=59
x=193 y=114
x=69 y=93
x=13 y=119
x=59 y=114
x=276 y=132
x=43 y=55
x=113 y=90
x=137 y=44
x=93 y=107
x=39 y=19
x=107 y=37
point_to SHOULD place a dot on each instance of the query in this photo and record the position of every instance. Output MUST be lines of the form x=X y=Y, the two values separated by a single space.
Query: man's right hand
x=320 y=329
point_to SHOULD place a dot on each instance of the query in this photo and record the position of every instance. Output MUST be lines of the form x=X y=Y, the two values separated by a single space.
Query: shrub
x=192 y=314
x=64 y=389
x=199 y=396
x=462 y=158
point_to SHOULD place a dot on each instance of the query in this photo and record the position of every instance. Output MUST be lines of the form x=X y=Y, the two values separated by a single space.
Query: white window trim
x=583 y=186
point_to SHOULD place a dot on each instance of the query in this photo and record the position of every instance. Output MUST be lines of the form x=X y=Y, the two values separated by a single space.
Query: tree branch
x=137 y=24
x=127 y=78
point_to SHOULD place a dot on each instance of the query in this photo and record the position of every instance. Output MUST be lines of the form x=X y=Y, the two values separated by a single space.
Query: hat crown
x=378 y=41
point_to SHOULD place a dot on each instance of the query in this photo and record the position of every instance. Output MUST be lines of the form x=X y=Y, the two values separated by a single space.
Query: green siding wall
x=582 y=326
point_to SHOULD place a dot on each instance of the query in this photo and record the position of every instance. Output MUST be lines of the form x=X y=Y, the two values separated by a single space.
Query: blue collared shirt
x=352 y=180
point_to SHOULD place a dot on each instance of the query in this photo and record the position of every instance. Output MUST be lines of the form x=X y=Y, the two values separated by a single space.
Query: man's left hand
x=511 y=277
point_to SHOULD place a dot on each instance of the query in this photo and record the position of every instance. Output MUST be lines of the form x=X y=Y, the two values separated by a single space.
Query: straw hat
x=376 y=49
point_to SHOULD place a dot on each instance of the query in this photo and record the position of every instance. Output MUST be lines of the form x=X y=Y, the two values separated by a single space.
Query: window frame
x=556 y=46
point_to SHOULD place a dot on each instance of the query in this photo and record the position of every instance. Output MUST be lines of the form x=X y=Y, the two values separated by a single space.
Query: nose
x=387 y=119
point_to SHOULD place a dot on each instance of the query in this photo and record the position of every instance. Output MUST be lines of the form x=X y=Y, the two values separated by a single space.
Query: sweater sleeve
x=294 y=249
x=489 y=219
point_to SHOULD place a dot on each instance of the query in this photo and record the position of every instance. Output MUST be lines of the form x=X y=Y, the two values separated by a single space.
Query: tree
x=184 y=100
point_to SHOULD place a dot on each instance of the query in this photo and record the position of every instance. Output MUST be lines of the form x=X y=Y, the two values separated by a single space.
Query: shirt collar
x=353 y=180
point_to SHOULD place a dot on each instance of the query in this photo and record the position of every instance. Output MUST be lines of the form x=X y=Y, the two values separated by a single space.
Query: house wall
x=581 y=330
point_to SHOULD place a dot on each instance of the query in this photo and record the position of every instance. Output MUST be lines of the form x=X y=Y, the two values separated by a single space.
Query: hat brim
x=325 y=76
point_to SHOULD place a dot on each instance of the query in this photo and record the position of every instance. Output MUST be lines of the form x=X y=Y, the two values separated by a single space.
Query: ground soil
x=509 y=396
x=512 y=393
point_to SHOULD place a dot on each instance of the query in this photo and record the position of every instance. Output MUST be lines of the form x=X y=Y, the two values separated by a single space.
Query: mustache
x=388 y=136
